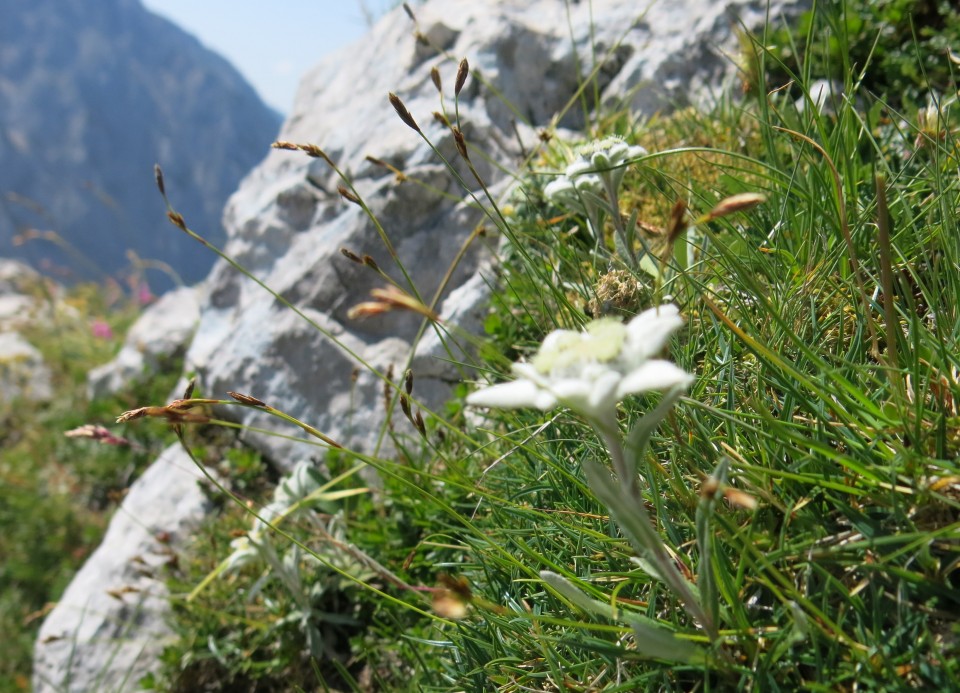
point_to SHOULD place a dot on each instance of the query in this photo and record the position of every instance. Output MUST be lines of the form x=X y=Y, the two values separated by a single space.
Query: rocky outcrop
x=93 y=95
x=160 y=335
x=109 y=626
x=25 y=297
x=287 y=223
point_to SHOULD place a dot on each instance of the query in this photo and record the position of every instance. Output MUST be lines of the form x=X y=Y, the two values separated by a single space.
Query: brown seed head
x=442 y=119
x=371 y=263
x=736 y=203
x=350 y=255
x=462 y=71
x=418 y=422
x=403 y=112
x=87 y=431
x=132 y=414
x=458 y=585
x=348 y=196
x=158 y=174
x=315 y=151
x=740 y=499
x=678 y=222
x=709 y=488
x=387 y=389
x=308 y=149
x=246 y=399
x=388 y=299
x=408 y=381
x=177 y=220
x=435 y=76
x=406 y=8
x=405 y=406
x=447 y=604
x=98 y=434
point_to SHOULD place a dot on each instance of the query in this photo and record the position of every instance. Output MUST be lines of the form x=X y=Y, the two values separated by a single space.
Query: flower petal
x=648 y=332
x=592 y=398
x=653 y=375
x=604 y=391
x=512 y=395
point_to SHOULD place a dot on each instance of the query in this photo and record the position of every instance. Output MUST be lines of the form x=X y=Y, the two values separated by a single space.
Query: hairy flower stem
x=626 y=471
x=632 y=499
x=611 y=187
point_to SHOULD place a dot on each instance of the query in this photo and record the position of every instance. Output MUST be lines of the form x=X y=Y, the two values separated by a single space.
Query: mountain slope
x=91 y=96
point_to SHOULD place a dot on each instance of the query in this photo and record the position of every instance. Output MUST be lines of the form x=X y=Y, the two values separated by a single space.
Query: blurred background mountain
x=92 y=94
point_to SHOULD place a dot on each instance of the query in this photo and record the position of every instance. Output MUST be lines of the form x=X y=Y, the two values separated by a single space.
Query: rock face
x=24 y=297
x=95 y=93
x=160 y=334
x=109 y=625
x=287 y=222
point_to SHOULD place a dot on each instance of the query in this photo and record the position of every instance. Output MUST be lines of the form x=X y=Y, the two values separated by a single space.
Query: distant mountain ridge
x=92 y=94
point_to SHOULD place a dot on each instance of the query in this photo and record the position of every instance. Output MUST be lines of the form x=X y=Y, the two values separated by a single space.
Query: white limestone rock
x=109 y=627
x=160 y=334
x=23 y=372
x=25 y=297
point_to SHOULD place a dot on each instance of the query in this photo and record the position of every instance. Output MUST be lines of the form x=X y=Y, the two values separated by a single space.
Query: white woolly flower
x=589 y=185
x=591 y=371
x=609 y=152
x=597 y=160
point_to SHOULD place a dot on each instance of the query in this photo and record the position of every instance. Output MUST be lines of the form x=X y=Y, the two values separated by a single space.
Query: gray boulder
x=109 y=627
x=160 y=334
x=23 y=372
x=25 y=297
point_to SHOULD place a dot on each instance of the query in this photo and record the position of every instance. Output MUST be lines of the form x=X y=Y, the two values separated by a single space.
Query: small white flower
x=591 y=371
x=589 y=185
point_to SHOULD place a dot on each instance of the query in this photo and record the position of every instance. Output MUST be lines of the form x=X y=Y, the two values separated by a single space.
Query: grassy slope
x=827 y=385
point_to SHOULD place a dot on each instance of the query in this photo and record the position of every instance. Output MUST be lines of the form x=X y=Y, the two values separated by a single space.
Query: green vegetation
x=805 y=488
x=59 y=492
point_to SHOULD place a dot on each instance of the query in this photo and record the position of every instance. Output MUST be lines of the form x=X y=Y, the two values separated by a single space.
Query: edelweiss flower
x=591 y=371
x=589 y=186
x=604 y=158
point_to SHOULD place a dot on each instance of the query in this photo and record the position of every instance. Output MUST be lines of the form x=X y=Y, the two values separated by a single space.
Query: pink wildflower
x=101 y=330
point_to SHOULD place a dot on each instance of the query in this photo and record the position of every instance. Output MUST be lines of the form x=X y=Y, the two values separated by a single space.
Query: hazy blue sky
x=272 y=43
